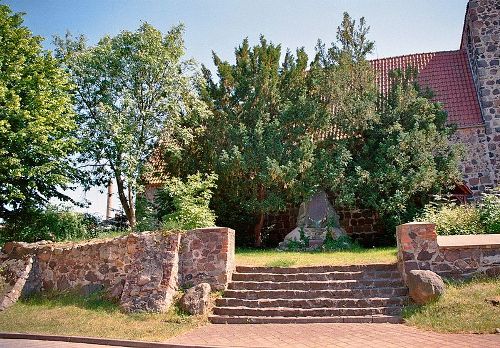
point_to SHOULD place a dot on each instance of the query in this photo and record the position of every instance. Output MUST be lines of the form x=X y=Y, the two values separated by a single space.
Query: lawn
x=463 y=308
x=73 y=315
x=274 y=258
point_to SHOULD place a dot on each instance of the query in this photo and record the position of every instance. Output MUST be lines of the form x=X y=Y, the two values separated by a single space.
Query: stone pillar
x=151 y=274
x=417 y=246
x=207 y=256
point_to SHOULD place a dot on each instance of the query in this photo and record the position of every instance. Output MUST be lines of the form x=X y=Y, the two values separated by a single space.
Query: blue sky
x=397 y=27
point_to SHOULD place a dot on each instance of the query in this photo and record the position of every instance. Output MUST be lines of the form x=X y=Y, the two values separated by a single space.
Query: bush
x=489 y=211
x=342 y=243
x=299 y=245
x=186 y=204
x=147 y=215
x=451 y=218
x=54 y=224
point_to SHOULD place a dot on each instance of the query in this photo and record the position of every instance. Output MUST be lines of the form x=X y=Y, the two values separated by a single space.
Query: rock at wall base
x=424 y=286
x=196 y=300
x=14 y=273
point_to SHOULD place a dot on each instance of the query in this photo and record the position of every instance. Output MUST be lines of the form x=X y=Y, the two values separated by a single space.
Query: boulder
x=316 y=218
x=13 y=276
x=425 y=286
x=316 y=212
x=196 y=299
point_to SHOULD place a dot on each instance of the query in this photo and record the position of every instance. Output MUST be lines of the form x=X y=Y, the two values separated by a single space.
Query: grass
x=274 y=258
x=462 y=309
x=74 y=315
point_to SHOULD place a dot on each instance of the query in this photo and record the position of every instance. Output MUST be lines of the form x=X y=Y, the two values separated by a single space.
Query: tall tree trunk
x=258 y=230
x=260 y=222
x=127 y=206
x=132 y=220
x=109 y=201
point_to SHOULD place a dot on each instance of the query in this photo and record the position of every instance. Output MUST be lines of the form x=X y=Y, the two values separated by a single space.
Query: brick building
x=467 y=82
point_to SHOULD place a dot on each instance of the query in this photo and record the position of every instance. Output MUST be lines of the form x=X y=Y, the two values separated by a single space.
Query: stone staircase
x=323 y=294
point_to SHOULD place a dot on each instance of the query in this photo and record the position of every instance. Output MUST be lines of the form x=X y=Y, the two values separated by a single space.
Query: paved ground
x=328 y=335
x=303 y=336
x=10 y=343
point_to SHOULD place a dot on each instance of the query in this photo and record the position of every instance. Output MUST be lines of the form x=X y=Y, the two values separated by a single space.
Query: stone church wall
x=475 y=166
x=481 y=39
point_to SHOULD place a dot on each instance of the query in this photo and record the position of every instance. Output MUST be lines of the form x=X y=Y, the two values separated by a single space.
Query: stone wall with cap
x=457 y=257
x=140 y=270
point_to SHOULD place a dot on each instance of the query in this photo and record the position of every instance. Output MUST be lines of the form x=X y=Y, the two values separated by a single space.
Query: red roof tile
x=447 y=74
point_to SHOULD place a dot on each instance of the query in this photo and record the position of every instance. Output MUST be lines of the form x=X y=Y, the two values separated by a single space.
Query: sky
x=397 y=27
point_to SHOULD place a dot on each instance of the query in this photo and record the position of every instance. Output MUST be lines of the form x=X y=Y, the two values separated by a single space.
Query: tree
x=37 y=122
x=264 y=131
x=407 y=156
x=281 y=130
x=398 y=143
x=129 y=89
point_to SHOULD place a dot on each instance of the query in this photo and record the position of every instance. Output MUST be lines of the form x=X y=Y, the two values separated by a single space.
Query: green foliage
x=281 y=130
x=54 y=224
x=489 y=211
x=36 y=121
x=147 y=215
x=133 y=92
x=388 y=175
x=341 y=243
x=190 y=201
x=451 y=218
x=298 y=245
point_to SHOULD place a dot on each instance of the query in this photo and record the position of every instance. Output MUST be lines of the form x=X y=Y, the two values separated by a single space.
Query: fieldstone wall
x=419 y=248
x=360 y=224
x=86 y=266
x=481 y=40
x=141 y=270
x=476 y=167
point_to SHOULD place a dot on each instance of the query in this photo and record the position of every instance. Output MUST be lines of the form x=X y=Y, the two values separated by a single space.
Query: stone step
x=322 y=276
x=316 y=285
x=312 y=294
x=305 y=312
x=313 y=303
x=222 y=319
x=318 y=269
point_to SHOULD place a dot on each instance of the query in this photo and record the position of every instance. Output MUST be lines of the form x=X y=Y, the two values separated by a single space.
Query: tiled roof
x=447 y=74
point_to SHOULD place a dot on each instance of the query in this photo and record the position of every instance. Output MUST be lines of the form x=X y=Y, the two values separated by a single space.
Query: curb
x=95 y=340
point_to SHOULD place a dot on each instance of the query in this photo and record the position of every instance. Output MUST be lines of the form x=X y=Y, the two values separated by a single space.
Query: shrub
x=489 y=211
x=339 y=244
x=146 y=214
x=299 y=245
x=187 y=202
x=451 y=218
x=54 y=224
